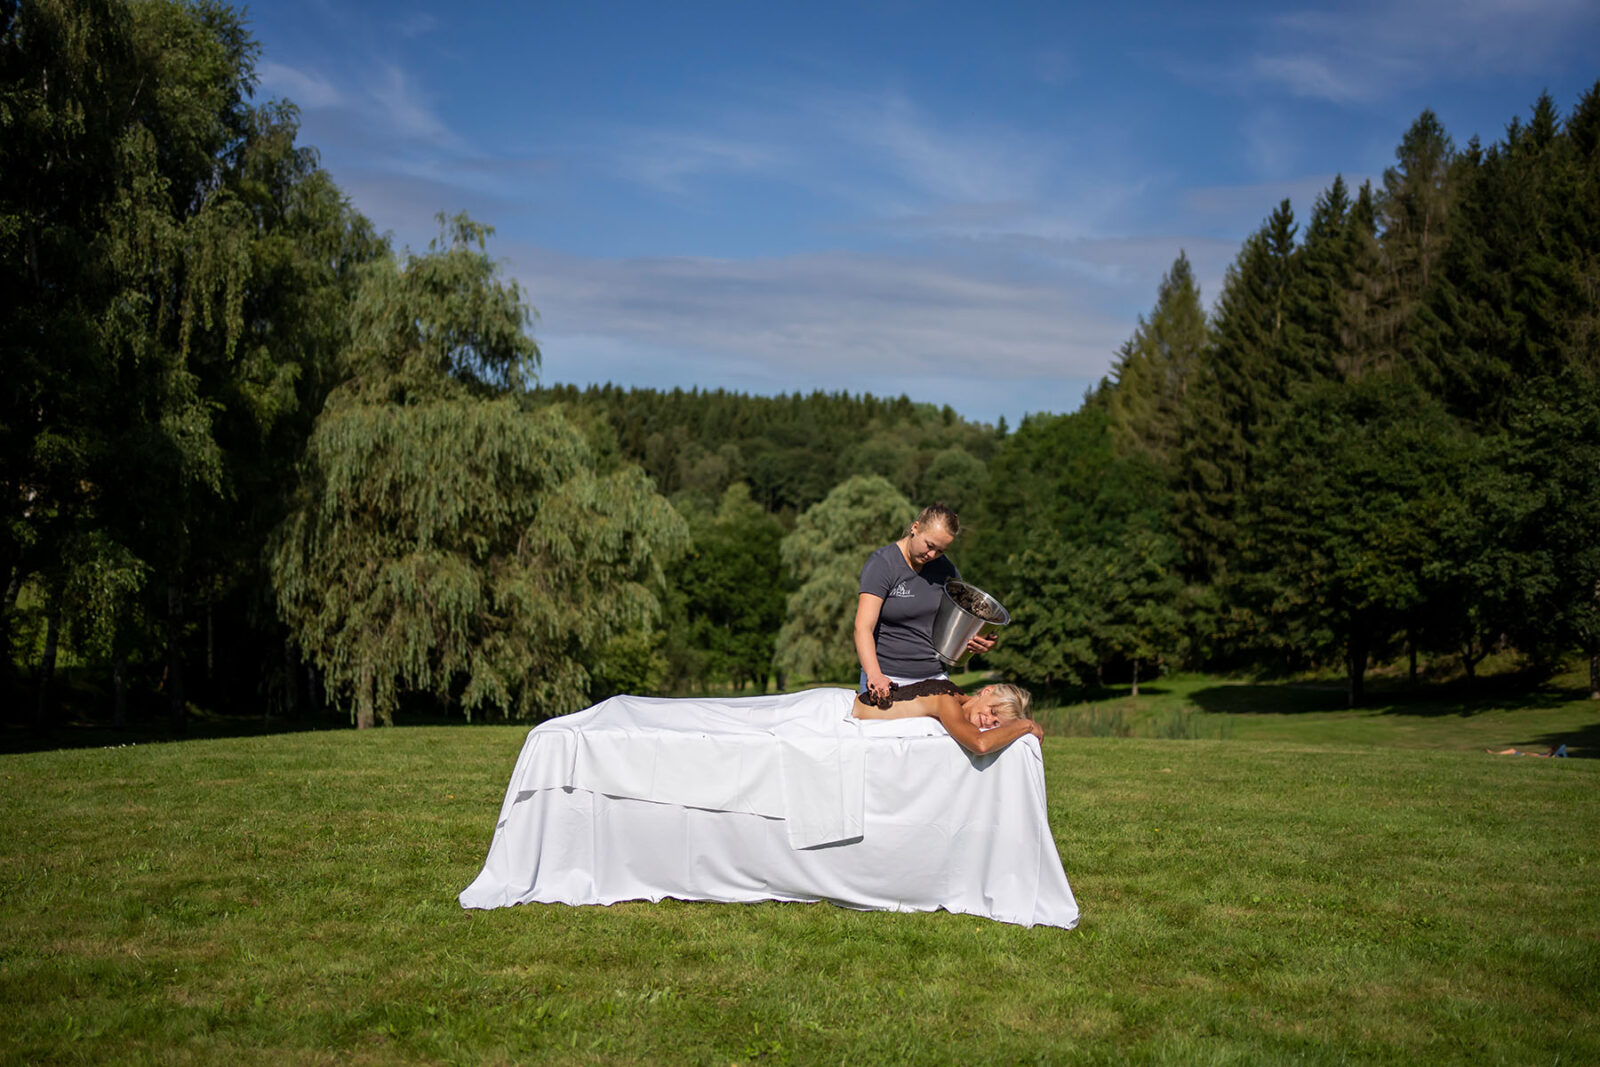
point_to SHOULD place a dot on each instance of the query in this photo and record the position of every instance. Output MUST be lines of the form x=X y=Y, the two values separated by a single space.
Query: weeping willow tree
x=825 y=552
x=447 y=540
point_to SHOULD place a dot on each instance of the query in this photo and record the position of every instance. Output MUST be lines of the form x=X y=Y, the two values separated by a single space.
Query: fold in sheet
x=938 y=827
x=798 y=757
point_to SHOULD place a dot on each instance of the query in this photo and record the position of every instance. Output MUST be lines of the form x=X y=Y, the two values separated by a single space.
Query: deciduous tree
x=446 y=540
x=825 y=553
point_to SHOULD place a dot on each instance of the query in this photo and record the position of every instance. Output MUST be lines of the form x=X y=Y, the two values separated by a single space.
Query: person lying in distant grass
x=1559 y=752
x=984 y=722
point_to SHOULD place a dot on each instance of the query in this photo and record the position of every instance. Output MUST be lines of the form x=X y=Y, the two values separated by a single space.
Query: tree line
x=1383 y=441
x=253 y=456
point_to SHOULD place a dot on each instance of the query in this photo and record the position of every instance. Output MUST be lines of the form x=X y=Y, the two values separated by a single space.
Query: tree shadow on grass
x=1466 y=697
x=1067 y=696
x=82 y=719
x=1459 y=697
x=1582 y=742
x=78 y=732
x=1262 y=699
x=1462 y=697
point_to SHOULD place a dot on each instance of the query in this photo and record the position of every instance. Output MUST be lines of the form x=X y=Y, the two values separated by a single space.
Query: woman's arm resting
x=867 y=609
x=981 y=742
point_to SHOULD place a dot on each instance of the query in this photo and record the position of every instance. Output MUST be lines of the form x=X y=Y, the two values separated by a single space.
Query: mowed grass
x=1495 y=712
x=1278 y=896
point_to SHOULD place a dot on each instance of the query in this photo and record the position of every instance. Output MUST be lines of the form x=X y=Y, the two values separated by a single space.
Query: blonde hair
x=941 y=513
x=1012 y=701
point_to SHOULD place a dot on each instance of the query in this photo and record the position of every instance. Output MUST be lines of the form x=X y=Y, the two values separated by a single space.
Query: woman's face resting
x=985 y=709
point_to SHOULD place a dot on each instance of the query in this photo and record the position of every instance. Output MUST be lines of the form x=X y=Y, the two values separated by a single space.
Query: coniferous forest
x=254 y=458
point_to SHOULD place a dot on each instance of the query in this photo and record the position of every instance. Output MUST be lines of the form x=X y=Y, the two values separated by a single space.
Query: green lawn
x=1319 y=886
x=1460 y=717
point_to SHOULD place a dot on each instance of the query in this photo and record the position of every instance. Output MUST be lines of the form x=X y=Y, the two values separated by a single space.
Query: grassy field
x=1494 y=712
x=1300 y=884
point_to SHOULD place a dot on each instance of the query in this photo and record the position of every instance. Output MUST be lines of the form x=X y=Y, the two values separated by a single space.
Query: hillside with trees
x=254 y=458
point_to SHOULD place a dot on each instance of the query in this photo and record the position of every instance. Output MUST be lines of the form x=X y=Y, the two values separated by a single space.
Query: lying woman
x=983 y=722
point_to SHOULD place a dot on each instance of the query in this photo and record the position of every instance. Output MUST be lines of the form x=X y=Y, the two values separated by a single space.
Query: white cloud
x=877 y=153
x=830 y=321
x=669 y=160
x=987 y=164
x=1364 y=52
x=402 y=109
x=1315 y=77
x=1242 y=208
x=307 y=89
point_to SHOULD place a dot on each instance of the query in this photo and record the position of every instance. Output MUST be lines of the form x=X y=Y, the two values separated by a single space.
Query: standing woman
x=901 y=585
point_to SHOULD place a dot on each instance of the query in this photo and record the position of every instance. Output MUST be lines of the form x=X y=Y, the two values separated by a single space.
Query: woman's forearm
x=981 y=742
x=1001 y=736
x=868 y=608
x=866 y=650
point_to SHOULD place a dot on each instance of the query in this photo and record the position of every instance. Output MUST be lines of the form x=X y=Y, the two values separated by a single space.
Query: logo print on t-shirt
x=901 y=590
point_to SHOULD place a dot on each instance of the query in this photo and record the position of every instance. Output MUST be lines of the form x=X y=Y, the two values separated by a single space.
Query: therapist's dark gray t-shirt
x=904 y=634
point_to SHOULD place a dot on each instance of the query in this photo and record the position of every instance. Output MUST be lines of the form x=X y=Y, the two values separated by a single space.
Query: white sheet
x=773 y=798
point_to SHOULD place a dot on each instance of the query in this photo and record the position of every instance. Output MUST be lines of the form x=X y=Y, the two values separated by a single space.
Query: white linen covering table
x=785 y=798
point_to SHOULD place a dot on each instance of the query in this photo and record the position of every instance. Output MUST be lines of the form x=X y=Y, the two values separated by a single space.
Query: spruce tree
x=1242 y=382
x=1156 y=366
x=1330 y=259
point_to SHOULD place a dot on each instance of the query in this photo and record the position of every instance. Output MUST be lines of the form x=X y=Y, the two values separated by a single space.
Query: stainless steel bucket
x=964 y=611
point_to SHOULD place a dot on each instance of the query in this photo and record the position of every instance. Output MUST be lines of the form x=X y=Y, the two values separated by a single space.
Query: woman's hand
x=878 y=684
x=981 y=643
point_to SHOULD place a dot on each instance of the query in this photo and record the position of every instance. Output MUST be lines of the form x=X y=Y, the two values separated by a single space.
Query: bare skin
x=980 y=723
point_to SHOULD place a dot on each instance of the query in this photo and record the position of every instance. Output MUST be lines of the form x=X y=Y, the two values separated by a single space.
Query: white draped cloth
x=783 y=797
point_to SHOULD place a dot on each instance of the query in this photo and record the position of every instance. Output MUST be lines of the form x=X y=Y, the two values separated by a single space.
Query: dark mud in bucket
x=964 y=611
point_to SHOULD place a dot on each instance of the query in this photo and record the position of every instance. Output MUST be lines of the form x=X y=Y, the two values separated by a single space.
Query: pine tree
x=1242 y=382
x=1420 y=193
x=1362 y=339
x=1329 y=257
x=1155 y=367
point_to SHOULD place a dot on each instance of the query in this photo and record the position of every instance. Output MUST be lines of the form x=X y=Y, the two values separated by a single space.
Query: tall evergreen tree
x=1330 y=260
x=1156 y=366
x=1514 y=297
x=1415 y=205
x=1362 y=335
x=1242 y=383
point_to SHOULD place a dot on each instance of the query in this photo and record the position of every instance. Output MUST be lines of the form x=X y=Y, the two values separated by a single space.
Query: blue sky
x=970 y=204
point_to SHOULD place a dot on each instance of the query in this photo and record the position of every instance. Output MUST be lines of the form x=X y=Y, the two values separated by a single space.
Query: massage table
x=786 y=798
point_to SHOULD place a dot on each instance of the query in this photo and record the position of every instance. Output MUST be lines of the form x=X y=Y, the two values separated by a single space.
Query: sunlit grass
x=1462 y=716
x=1326 y=886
